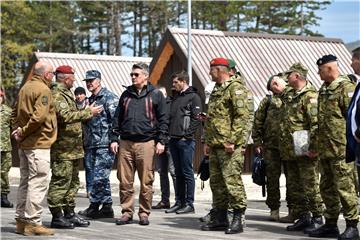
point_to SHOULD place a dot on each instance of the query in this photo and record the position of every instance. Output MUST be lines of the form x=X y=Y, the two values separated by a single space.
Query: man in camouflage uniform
x=5 y=146
x=300 y=113
x=67 y=151
x=98 y=156
x=337 y=179
x=227 y=129
x=265 y=134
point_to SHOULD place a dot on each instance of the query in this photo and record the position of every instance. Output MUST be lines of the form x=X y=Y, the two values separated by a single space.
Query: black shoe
x=106 y=211
x=161 y=205
x=173 y=208
x=58 y=219
x=74 y=218
x=351 y=232
x=316 y=222
x=91 y=212
x=325 y=231
x=206 y=218
x=125 y=219
x=186 y=209
x=303 y=222
x=5 y=203
x=144 y=220
x=218 y=221
x=236 y=225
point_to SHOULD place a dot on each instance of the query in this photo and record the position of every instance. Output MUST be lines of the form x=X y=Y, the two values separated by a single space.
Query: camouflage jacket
x=5 y=119
x=68 y=145
x=265 y=131
x=334 y=101
x=300 y=113
x=230 y=114
x=97 y=130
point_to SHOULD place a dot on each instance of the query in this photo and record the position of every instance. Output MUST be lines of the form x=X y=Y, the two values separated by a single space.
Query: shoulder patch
x=44 y=100
x=63 y=105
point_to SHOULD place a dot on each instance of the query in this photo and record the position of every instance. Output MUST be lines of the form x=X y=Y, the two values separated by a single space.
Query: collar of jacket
x=334 y=84
x=62 y=88
x=308 y=87
x=40 y=79
x=146 y=89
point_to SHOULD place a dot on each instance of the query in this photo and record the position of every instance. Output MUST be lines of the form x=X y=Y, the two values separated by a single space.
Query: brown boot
x=36 y=229
x=274 y=215
x=20 y=225
x=289 y=218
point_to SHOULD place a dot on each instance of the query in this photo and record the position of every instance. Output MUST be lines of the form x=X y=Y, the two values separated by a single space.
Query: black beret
x=326 y=59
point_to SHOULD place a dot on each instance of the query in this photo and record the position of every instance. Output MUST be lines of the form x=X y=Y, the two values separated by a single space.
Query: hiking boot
x=125 y=219
x=207 y=217
x=20 y=226
x=316 y=222
x=161 y=205
x=274 y=215
x=5 y=203
x=236 y=225
x=351 y=231
x=144 y=220
x=74 y=218
x=218 y=221
x=58 y=219
x=325 y=231
x=303 y=222
x=31 y=229
x=91 y=212
x=106 y=211
x=290 y=218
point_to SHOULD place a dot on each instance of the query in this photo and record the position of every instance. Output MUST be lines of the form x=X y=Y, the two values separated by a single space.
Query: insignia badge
x=63 y=105
x=44 y=100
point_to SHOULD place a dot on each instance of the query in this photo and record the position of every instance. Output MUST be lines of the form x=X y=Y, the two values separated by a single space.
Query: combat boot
x=316 y=222
x=351 y=232
x=20 y=226
x=91 y=212
x=207 y=217
x=218 y=221
x=303 y=222
x=325 y=231
x=74 y=218
x=274 y=215
x=31 y=229
x=236 y=225
x=290 y=218
x=106 y=211
x=58 y=219
x=5 y=203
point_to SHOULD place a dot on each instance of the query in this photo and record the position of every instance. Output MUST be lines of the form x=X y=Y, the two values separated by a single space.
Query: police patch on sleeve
x=63 y=105
x=44 y=100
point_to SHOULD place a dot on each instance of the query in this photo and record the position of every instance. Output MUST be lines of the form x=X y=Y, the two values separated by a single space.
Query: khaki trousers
x=136 y=156
x=34 y=182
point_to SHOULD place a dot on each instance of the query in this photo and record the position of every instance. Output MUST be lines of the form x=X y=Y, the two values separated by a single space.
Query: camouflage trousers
x=273 y=165
x=101 y=161
x=337 y=188
x=303 y=176
x=225 y=179
x=64 y=183
x=5 y=168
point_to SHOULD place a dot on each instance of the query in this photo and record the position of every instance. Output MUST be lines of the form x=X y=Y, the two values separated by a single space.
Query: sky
x=341 y=19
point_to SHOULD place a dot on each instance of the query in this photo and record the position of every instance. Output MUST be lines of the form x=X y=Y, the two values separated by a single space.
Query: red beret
x=65 y=69
x=219 y=62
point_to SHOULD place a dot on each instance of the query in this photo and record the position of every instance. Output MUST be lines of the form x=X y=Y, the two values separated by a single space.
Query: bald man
x=337 y=186
x=34 y=123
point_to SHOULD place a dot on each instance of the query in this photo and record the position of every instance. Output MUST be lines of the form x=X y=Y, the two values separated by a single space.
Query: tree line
x=110 y=27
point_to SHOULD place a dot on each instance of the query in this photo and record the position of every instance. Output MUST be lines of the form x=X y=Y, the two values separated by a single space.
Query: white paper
x=301 y=141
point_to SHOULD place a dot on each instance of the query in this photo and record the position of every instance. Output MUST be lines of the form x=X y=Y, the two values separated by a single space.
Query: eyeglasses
x=134 y=74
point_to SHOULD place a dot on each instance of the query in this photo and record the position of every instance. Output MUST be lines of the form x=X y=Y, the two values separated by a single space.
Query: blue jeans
x=182 y=152
x=164 y=166
x=98 y=166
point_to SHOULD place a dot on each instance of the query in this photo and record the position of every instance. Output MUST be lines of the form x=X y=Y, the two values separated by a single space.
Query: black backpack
x=258 y=173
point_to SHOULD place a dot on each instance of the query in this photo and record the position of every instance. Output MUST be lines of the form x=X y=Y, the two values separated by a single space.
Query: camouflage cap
x=299 y=68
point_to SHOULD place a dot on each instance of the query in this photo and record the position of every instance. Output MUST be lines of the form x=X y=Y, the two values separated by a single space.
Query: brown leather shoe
x=36 y=229
x=125 y=219
x=20 y=226
x=161 y=205
x=144 y=220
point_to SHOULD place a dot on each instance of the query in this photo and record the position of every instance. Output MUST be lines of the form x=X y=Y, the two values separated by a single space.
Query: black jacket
x=184 y=111
x=141 y=117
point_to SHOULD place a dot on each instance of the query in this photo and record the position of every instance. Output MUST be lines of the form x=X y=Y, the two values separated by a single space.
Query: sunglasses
x=134 y=74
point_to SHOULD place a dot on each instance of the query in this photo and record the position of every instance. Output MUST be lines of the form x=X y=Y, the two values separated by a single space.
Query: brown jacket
x=35 y=115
